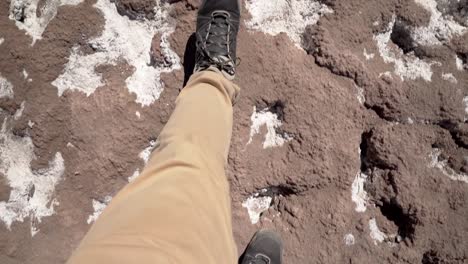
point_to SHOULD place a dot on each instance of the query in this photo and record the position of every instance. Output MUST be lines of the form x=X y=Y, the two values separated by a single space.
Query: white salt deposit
x=135 y=175
x=32 y=192
x=98 y=207
x=442 y=165
x=30 y=124
x=256 y=205
x=25 y=74
x=465 y=101
x=386 y=74
x=358 y=193
x=24 y=13
x=407 y=66
x=440 y=30
x=449 y=77
x=349 y=240
x=272 y=123
x=360 y=95
x=146 y=153
x=375 y=233
x=6 y=88
x=368 y=56
x=1 y=41
x=138 y=114
x=145 y=156
x=128 y=40
x=441 y=27
x=19 y=112
x=288 y=16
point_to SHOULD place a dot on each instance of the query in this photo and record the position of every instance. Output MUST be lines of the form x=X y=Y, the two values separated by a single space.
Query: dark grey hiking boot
x=265 y=248
x=217 y=27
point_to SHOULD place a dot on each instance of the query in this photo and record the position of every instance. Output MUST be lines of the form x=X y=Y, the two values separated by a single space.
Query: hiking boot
x=217 y=27
x=265 y=248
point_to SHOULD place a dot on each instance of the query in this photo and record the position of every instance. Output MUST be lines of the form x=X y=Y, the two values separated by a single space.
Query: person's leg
x=178 y=209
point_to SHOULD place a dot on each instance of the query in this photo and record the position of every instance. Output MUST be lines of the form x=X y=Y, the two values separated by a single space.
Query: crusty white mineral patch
x=358 y=193
x=407 y=66
x=135 y=175
x=137 y=113
x=98 y=207
x=441 y=27
x=368 y=56
x=360 y=95
x=465 y=102
x=2 y=40
x=6 y=88
x=79 y=73
x=272 y=123
x=145 y=156
x=449 y=77
x=375 y=233
x=25 y=74
x=24 y=13
x=19 y=112
x=442 y=165
x=349 y=240
x=32 y=192
x=127 y=40
x=146 y=153
x=288 y=16
x=386 y=74
x=256 y=205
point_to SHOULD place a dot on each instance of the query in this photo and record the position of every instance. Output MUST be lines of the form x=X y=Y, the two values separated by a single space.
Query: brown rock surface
x=397 y=129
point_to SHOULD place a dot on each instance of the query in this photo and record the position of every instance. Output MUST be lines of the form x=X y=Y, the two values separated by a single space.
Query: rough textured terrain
x=350 y=136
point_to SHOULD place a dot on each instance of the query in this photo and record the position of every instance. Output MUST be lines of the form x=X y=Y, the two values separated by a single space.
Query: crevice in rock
x=463 y=57
x=431 y=257
x=370 y=159
x=406 y=222
x=282 y=189
x=401 y=36
x=379 y=111
x=365 y=137
x=339 y=64
x=434 y=257
x=457 y=133
x=383 y=186
x=276 y=107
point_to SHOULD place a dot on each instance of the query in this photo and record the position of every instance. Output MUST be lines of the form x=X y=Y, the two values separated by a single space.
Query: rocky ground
x=350 y=135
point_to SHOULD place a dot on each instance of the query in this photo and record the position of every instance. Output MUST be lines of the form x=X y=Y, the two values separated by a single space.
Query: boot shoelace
x=260 y=259
x=215 y=48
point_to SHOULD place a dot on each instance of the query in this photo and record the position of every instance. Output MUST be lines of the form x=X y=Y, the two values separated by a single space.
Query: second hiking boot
x=265 y=248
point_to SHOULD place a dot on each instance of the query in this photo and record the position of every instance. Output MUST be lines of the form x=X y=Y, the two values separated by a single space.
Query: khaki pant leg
x=178 y=210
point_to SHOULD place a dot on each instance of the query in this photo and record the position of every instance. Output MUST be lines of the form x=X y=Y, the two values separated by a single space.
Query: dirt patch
x=361 y=145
